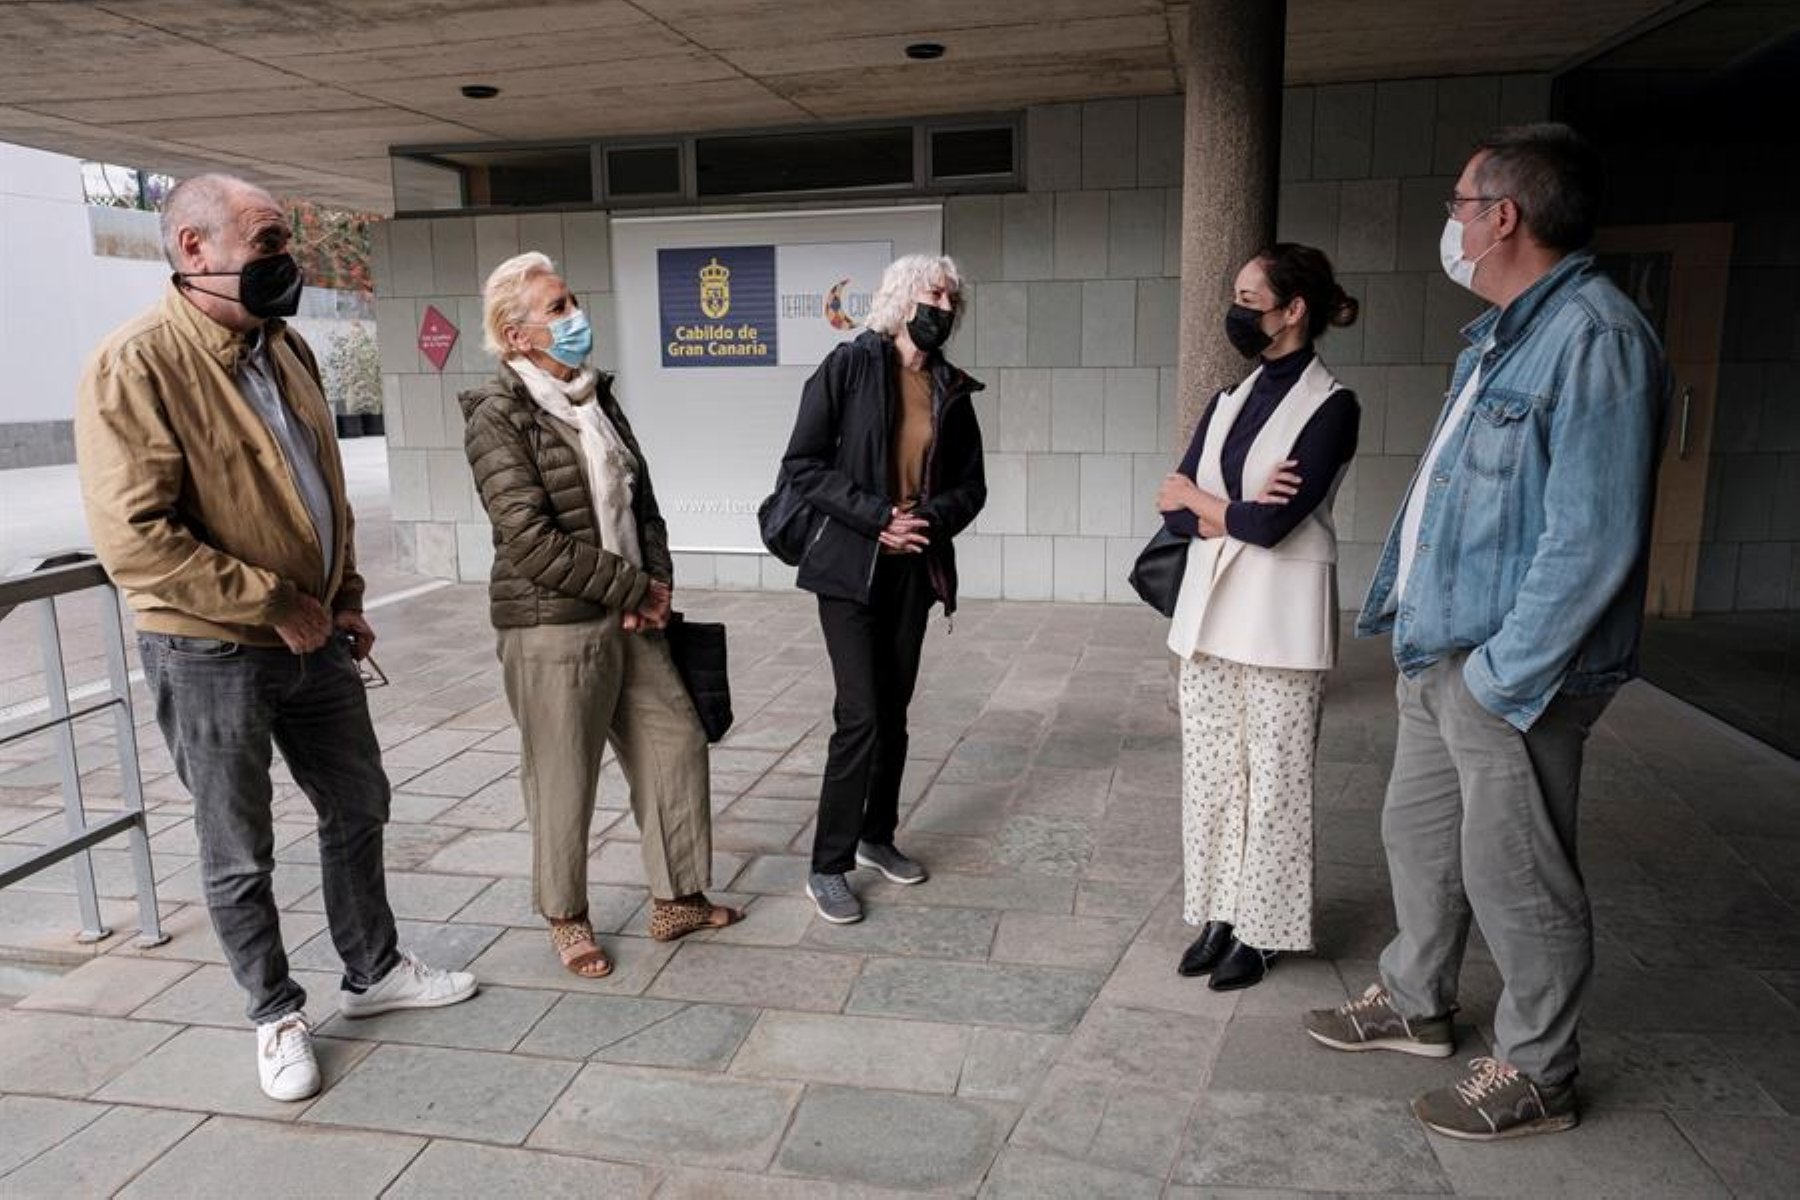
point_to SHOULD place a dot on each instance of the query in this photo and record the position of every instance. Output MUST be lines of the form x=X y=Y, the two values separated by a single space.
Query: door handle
x=1687 y=412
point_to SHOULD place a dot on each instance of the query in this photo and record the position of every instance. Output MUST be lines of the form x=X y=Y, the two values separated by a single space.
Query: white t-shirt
x=1421 y=484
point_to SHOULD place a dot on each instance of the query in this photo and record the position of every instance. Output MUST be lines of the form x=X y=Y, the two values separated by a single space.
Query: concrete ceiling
x=308 y=95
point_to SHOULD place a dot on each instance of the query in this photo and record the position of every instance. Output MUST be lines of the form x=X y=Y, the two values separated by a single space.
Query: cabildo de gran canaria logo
x=715 y=289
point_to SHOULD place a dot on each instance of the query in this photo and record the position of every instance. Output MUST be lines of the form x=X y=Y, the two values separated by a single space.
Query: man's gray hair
x=1552 y=174
x=904 y=278
x=202 y=204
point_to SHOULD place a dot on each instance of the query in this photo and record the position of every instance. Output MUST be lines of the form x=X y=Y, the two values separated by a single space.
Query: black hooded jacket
x=838 y=458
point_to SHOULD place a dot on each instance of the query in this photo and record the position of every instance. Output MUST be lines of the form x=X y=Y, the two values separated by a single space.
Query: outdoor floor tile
x=508 y=902
x=35 y=1055
x=103 y=1157
x=461 y=1169
x=1057 y=941
x=891 y=1139
x=495 y=1018
x=415 y=896
x=485 y=853
x=30 y=1125
x=760 y=978
x=1140 y=1131
x=210 y=996
x=913 y=1056
x=1771 y=1059
x=700 y=1037
x=448 y=947
x=1610 y=1154
x=1007 y=1064
x=1033 y=1175
x=1023 y=893
x=191 y=937
x=1039 y=998
x=1308 y=1142
x=1756 y=1157
x=1690 y=1072
x=644 y=1115
x=214 y=1070
x=292 y=1162
x=774 y=874
x=913 y=932
x=1154 y=1049
x=580 y=1026
x=524 y=958
x=108 y=986
x=445 y=1093
x=1273 y=1054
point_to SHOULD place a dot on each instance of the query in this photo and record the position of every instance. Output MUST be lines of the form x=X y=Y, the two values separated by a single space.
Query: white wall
x=57 y=298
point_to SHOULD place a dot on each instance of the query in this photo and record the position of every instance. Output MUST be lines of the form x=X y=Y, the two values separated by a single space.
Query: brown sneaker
x=1495 y=1102
x=1373 y=1023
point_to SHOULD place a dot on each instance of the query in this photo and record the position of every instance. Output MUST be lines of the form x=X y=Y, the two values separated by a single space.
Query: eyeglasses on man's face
x=1454 y=201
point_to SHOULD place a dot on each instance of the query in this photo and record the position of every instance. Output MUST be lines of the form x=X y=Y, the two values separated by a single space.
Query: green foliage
x=352 y=371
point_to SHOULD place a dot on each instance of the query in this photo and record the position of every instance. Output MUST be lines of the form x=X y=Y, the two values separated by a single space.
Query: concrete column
x=1230 y=174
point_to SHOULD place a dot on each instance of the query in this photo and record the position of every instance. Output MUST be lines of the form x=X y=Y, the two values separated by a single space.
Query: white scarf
x=610 y=465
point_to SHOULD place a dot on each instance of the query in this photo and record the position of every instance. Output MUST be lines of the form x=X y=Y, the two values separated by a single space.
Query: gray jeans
x=1481 y=819
x=221 y=707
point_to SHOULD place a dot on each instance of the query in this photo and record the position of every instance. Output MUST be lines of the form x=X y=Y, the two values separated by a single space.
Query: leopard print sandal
x=672 y=919
x=575 y=946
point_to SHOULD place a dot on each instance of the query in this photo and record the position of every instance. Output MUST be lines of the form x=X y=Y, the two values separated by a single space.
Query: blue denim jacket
x=1533 y=544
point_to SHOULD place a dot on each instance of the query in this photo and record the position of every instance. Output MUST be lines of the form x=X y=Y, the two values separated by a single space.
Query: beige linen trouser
x=572 y=689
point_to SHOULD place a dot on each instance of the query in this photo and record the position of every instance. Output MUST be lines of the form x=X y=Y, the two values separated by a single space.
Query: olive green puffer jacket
x=550 y=567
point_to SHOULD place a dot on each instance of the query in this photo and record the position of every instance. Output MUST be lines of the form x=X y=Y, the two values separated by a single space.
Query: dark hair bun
x=1344 y=309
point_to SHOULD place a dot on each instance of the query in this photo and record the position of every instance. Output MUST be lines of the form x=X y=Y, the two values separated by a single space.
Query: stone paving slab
x=35 y=1057
x=1309 y=1142
x=104 y=1156
x=523 y=958
x=292 y=1162
x=914 y=1056
x=462 y=1169
x=1617 y=1155
x=445 y=1093
x=34 y=1124
x=758 y=977
x=214 y=1070
x=108 y=987
x=848 y=1134
x=496 y=1018
x=1038 y=998
x=644 y=1115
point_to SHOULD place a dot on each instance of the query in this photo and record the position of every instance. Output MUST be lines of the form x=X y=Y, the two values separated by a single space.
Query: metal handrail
x=39 y=583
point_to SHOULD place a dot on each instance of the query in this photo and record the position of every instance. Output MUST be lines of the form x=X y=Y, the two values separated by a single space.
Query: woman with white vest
x=1256 y=623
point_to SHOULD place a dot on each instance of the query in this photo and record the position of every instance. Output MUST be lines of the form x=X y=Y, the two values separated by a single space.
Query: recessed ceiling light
x=924 y=51
x=480 y=91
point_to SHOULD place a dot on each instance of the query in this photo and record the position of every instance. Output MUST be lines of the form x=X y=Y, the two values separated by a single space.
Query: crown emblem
x=715 y=289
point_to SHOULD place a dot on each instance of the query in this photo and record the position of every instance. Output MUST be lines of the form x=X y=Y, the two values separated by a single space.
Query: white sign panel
x=823 y=291
x=714 y=425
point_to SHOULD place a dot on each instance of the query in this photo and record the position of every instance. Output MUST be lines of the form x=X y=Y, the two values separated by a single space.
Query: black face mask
x=267 y=287
x=930 y=326
x=1243 y=327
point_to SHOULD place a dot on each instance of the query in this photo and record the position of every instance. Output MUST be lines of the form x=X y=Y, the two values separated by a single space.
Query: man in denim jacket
x=1513 y=584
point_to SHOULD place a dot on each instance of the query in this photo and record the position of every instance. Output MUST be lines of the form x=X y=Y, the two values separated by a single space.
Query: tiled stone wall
x=1072 y=326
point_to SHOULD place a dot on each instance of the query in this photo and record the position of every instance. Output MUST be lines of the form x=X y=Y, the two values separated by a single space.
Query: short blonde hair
x=903 y=279
x=503 y=297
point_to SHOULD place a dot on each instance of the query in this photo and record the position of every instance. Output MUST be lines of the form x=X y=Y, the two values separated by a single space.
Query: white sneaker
x=284 y=1058
x=411 y=984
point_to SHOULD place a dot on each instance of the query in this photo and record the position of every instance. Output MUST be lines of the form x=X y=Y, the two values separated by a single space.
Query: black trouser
x=874 y=650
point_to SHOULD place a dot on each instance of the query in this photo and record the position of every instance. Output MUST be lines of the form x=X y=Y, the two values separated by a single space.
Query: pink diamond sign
x=437 y=337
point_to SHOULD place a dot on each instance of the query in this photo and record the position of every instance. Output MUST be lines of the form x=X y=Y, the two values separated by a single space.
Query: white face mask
x=1461 y=269
x=1458 y=268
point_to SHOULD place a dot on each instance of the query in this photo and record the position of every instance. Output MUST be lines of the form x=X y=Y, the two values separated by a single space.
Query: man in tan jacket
x=215 y=496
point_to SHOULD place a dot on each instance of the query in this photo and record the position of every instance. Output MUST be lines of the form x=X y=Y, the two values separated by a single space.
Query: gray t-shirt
x=260 y=383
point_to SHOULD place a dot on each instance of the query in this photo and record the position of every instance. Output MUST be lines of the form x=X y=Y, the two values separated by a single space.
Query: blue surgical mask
x=571 y=339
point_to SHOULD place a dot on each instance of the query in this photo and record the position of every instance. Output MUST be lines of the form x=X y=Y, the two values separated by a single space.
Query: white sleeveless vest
x=1266 y=608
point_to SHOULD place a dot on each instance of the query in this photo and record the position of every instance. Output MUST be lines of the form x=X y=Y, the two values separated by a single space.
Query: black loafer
x=1207 y=950
x=1243 y=966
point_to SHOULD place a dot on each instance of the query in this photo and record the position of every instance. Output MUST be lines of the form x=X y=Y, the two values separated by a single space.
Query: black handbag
x=785 y=520
x=1156 y=576
x=698 y=648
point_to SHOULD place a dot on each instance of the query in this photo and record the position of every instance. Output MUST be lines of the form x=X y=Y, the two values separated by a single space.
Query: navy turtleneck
x=1327 y=442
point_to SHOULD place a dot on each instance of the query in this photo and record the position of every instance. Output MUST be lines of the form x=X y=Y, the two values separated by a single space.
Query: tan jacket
x=190 y=500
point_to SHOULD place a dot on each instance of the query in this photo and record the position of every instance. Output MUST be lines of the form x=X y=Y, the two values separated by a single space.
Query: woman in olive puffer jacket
x=580 y=593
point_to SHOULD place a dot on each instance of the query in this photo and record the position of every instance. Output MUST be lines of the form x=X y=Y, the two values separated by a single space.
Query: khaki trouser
x=572 y=689
x=1480 y=820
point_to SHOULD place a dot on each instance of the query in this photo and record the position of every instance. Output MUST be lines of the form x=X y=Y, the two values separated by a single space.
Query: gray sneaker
x=890 y=862
x=1497 y=1101
x=1371 y=1022
x=832 y=896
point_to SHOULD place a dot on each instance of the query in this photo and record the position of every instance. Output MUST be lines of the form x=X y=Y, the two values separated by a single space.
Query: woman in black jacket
x=887 y=453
